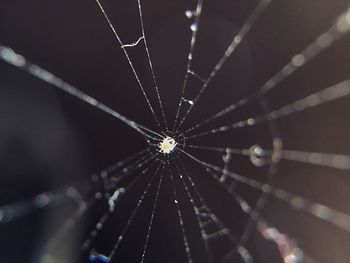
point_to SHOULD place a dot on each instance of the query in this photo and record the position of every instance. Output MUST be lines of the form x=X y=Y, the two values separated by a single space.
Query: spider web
x=242 y=185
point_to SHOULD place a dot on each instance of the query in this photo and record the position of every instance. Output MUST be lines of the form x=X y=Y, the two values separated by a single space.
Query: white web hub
x=167 y=145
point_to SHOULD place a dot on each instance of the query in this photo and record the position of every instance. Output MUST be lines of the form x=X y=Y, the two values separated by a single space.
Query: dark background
x=49 y=139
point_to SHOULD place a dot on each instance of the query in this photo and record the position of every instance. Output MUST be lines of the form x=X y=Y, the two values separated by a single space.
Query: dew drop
x=298 y=60
x=194 y=27
x=189 y=13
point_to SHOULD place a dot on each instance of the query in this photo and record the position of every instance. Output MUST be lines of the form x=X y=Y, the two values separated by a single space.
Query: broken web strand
x=204 y=212
x=73 y=220
x=114 y=199
x=83 y=206
x=152 y=216
x=269 y=233
x=70 y=223
x=129 y=60
x=17 y=60
x=151 y=64
x=133 y=44
x=325 y=213
x=99 y=225
x=180 y=217
x=194 y=27
x=339 y=29
x=133 y=214
x=257 y=12
x=329 y=94
x=46 y=199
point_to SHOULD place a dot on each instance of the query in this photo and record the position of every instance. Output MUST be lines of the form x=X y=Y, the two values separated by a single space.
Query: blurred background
x=50 y=140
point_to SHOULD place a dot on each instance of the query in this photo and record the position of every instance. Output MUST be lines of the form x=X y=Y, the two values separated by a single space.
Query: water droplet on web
x=194 y=27
x=298 y=60
x=227 y=156
x=250 y=121
x=189 y=13
x=11 y=57
x=237 y=39
x=256 y=154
